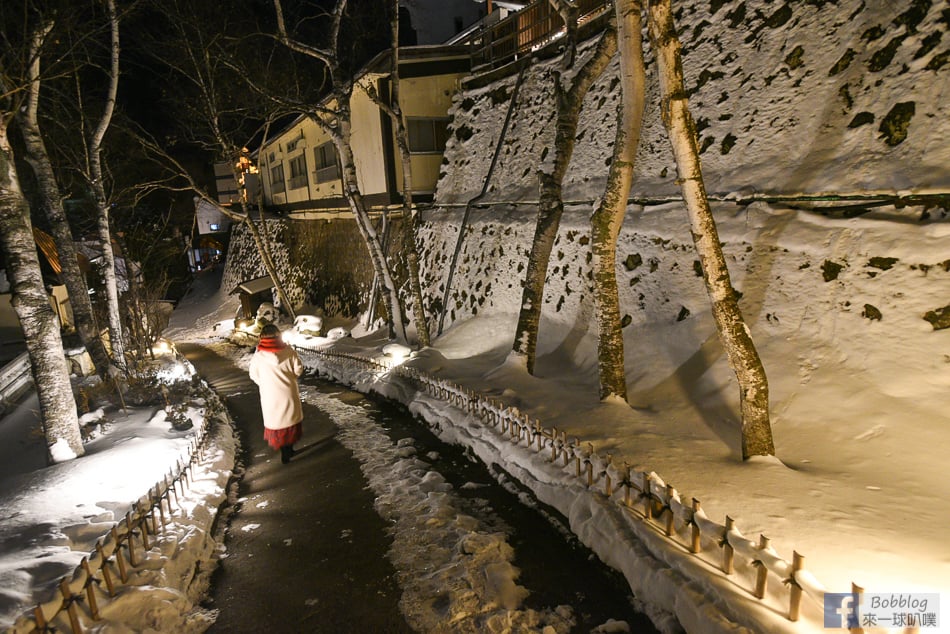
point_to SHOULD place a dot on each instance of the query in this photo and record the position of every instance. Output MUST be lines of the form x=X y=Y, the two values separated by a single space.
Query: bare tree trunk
x=370 y=237
x=39 y=323
x=339 y=130
x=260 y=241
x=38 y=158
x=569 y=99
x=409 y=212
x=733 y=332
x=94 y=161
x=393 y=109
x=608 y=217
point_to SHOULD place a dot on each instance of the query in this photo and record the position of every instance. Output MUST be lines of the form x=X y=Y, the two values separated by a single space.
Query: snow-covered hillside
x=847 y=300
x=829 y=96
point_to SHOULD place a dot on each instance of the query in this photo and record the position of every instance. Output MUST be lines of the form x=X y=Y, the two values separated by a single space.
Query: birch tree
x=733 y=332
x=49 y=193
x=608 y=216
x=216 y=116
x=410 y=214
x=94 y=175
x=570 y=88
x=40 y=327
x=333 y=115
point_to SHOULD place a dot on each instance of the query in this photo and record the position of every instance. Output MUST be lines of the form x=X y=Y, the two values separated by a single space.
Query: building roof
x=254 y=286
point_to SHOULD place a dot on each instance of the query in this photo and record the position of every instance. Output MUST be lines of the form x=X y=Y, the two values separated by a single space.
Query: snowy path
x=455 y=558
x=305 y=552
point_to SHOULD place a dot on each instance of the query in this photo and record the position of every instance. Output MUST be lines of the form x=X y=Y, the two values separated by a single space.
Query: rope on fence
x=642 y=494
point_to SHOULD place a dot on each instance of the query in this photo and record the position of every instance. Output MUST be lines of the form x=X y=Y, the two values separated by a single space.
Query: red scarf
x=271 y=344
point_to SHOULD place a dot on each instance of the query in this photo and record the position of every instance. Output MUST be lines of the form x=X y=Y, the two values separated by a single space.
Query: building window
x=298 y=172
x=427 y=135
x=292 y=145
x=325 y=164
x=215 y=226
x=277 y=178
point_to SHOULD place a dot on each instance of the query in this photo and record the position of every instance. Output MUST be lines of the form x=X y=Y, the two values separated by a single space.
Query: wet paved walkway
x=306 y=550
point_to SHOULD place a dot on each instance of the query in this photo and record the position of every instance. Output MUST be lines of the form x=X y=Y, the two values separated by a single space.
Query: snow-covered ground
x=54 y=516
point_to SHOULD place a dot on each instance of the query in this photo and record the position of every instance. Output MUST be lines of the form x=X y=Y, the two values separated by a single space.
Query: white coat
x=276 y=374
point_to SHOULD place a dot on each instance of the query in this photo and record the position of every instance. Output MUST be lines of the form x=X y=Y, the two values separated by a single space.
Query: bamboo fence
x=98 y=577
x=642 y=494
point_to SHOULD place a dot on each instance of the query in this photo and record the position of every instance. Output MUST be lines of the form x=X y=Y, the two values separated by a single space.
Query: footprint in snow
x=250 y=527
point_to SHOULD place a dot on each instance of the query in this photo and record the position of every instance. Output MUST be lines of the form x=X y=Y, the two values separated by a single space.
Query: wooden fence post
x=647 y=494
x=761 y=573
x=118 y=555
x=143 y=523
x=104 y=567
x=161 y=506
x=90 y=591
x=669 y=507
x=131 y=540
x=70 y=606
x=41 y=625
x=696 y=541
x=171 y=488
x=728 y=552
x=795 y=595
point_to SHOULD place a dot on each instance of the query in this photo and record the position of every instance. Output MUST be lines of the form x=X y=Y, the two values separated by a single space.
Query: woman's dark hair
x=270 y=330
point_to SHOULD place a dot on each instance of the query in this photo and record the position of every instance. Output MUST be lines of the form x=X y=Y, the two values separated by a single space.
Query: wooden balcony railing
x=523 y=32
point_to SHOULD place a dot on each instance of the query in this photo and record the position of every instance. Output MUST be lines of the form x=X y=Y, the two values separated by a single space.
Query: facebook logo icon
x=841 y=610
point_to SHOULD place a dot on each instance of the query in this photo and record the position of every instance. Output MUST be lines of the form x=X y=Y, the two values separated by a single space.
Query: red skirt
x=278 y=438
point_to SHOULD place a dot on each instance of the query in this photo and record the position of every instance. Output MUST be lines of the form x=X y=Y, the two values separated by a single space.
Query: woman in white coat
x=275 y=367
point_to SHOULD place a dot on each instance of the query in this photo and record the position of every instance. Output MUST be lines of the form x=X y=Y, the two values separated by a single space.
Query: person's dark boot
x=286 y=453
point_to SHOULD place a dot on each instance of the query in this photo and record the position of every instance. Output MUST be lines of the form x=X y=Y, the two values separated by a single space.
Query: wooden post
x=795 y=594
x=626 y=485
x=118 y=556
x=537 y=430
x=179 y=479
x=90 y=590
x=669 y=508
x=104 y=567
x=858 y=593
x=608 y=490
x=70 y=606
x=131 y=535
x=161 y=510
x=647 y=494
x=590 y=472
x=151 y=514
x=762 y=573
x=143 y=522
x=728 y=552
x=173 y=490
x=696 y=541
x=40 y=619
